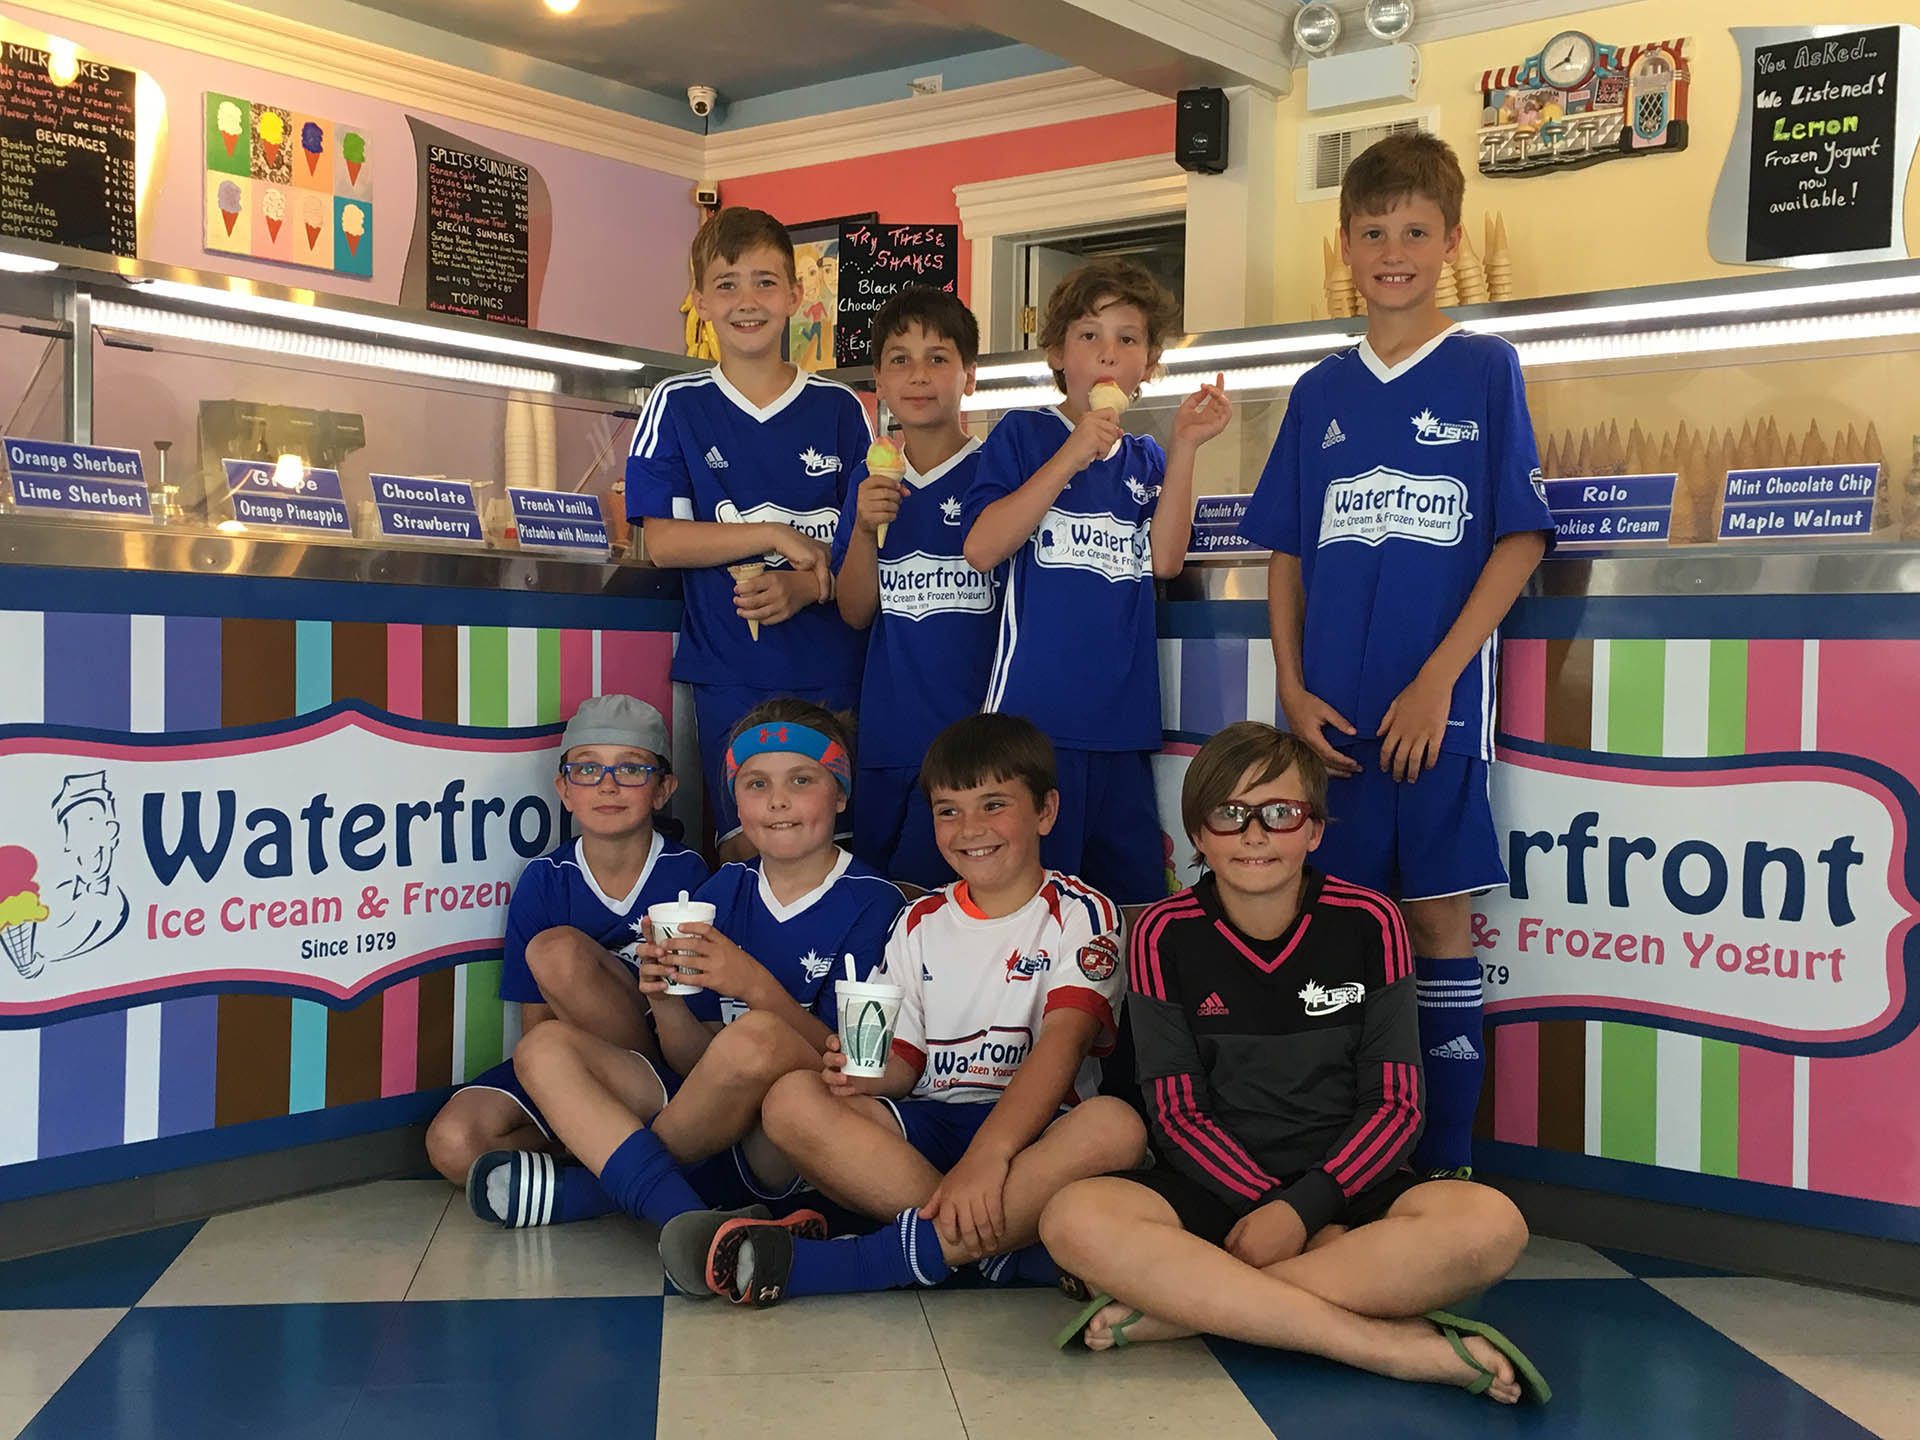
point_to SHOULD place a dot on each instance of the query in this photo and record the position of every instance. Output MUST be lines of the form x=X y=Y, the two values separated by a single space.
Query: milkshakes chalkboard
x=67 y=172
x=1826 y=137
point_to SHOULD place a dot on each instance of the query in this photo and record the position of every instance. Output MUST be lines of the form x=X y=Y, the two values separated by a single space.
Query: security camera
x=702 y=98
x=707 y=193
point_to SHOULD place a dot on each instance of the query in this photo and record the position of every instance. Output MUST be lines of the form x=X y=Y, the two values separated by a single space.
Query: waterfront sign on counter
x=77 y=479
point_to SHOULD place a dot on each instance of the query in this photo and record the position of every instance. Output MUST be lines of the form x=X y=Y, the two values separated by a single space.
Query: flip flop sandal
x=1076 y=1328
x=1074 y=1288
x=1453 y=1326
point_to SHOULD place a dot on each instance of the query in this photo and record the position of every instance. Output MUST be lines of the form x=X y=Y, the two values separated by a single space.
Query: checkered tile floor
x=387 y=1310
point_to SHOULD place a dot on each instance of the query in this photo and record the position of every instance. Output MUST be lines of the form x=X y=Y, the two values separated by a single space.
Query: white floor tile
x=1105 y=1397
x=1881 y=1392
x=914 y=1403
x=1564 y=1260
x=39 y=1349
x=16 y=1411
x=469 y=1259
x=1780 y=1317
x=815 y=1334
x=989 y=1331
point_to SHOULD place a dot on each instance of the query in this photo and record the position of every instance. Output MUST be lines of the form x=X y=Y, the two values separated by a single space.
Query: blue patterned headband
x=790 y=737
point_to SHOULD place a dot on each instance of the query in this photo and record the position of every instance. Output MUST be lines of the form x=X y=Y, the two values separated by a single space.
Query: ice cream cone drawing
x=229 y=198
x=313 y=144
x=273 y=134
x=750 y=570
x=21 y=911
x=273 y=206
x=227 y=117
x=884 y=458
x=313 y=215
x=353 y=224
x=353 y=150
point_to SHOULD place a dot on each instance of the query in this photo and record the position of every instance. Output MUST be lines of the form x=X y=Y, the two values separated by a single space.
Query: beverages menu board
x=67 y=171
x=477 y=254
x=1823 y=162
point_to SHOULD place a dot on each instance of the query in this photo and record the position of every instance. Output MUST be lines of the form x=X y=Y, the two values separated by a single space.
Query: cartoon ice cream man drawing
x=96 y=908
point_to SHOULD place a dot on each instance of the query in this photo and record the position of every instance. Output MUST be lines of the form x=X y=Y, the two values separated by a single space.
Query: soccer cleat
x=750 y=1260
x=686 y=1239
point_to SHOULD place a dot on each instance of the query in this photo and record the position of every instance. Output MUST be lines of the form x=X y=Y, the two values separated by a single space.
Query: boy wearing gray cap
x=575 y=920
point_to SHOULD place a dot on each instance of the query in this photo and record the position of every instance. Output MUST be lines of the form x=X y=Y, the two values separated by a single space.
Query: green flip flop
x=1454 y=1326
x=1076 y=1328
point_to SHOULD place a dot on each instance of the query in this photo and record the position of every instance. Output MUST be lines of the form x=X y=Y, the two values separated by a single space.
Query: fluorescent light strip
x=26 y=264
x=442 y=339
x=207 y=329
x=1315 y=342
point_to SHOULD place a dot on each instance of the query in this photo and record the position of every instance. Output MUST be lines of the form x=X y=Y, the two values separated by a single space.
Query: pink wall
x=917 y=184
x=620 y=232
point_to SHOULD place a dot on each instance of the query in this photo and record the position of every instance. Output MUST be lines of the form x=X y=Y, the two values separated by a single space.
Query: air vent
x=1326 y=153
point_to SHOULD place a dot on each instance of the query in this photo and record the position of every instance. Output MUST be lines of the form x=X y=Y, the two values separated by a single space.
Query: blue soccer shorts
x=1414 y=840
x=893 y=828
x=1108 y=832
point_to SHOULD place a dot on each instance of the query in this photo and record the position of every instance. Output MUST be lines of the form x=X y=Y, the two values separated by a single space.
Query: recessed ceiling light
x=563 y=7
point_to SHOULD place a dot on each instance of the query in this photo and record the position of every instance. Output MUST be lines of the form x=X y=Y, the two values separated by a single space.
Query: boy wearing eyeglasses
x=574 y=922
x=1278 y=1054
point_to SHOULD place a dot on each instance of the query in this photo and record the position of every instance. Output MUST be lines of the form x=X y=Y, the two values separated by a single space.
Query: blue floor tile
x=564 y=1342
x=532 y=1407
x=1622 y=1359
x=1653 y=1267
x=106 y=1275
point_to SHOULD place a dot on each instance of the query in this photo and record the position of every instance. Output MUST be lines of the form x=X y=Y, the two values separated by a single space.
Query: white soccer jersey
x=977 y=989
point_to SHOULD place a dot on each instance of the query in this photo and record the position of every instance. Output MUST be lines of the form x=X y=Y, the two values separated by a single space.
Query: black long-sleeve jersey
x=1281 y=1069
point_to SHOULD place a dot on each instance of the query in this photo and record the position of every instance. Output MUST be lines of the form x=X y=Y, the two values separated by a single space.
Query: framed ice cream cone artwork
x=287 y=186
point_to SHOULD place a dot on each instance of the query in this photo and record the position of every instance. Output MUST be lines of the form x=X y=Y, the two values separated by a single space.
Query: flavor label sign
x=295 y=499
x=1810 y=500
x=552 y=520
x=1764 y=899
x=414 y=509
x=1216 y=527
x=321 y=857
x=1611 y=509
x=77 y=479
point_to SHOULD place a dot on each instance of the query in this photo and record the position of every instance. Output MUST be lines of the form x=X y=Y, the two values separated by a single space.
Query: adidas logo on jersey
x=926 y=975
x=1212 y=1006
x=1334 y=436
x=715 y=460
x=1458 y=1048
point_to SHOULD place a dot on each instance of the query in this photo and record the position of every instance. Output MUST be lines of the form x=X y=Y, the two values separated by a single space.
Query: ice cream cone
x=228 y=217
x=884 y=459
x=313 y=236
x=748 y=570
x=230 y=138
x=353 y=172
x=22 y=946
x=313 y=161
x=1108 y=396
x=273 y=227
x=353 y=244
x=272 y=152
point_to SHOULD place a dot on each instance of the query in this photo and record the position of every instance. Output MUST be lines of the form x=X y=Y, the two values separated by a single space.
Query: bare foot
x=1429 y=1357
x=1100 y=1329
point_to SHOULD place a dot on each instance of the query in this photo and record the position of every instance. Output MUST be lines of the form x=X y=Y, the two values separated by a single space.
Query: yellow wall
x=1637 y=221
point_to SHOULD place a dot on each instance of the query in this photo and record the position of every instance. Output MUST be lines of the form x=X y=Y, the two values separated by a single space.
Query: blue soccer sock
x=902 y=1254
x=581 y=1197
x=518 y=1188
x=645 y=1180
x=1451 y=1054
x=1029 y=1265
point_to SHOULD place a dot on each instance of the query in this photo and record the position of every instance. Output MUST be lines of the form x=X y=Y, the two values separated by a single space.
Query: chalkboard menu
x=1824 y=145
x=67 y=154
x=477 y=233
x=876 y=260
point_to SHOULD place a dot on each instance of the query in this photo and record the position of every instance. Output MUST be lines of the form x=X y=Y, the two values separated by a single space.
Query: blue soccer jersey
x=1076 y=650
x=558 y=889
x=930 y=647
x=703 y=451
x=1392 y=483
x=848 y=913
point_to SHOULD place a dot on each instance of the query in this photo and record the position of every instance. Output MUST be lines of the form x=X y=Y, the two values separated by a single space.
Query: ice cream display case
x=294 y=597
x=1701 y=983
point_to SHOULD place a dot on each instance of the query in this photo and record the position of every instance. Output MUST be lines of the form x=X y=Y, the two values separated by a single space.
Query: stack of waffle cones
x=1499 y=259
x=1469 y=275
x=1342 y=299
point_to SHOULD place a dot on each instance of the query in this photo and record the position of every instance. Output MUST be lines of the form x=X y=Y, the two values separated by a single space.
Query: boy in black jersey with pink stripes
x=1278 y=1053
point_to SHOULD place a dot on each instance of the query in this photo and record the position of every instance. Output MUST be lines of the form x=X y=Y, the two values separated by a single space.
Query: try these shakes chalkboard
x=1818 y=167
x=67 y=174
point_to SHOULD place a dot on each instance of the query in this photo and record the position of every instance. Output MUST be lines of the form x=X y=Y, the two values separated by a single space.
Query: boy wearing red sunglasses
x=1278 y=1054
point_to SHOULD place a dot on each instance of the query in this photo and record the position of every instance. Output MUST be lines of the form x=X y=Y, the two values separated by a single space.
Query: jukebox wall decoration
x=1579 y=102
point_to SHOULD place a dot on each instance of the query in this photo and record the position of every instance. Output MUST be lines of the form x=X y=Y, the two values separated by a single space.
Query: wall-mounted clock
x=1567 y=59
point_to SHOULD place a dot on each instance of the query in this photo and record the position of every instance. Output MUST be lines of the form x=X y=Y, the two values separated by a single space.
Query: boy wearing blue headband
x=766 y=969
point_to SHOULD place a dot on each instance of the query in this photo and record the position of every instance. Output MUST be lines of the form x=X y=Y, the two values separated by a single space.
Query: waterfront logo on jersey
x=918 y=585
x=818 y=524
x=320 y=857
x=1766 y=899
x=1025 y=967
x=818 y=464
x=1386 y=504
x=1321 y=1001
x=984 y=1060
x=1429 y=429
x=1110 y=547
x=1099 y=958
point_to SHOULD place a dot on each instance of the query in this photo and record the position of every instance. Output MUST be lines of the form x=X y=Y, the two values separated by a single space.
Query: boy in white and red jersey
x=1013 y=983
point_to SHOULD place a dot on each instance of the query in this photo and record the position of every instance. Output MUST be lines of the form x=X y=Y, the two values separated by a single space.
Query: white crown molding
x=1118 y=191
x=1050 y=98
x=227 y=31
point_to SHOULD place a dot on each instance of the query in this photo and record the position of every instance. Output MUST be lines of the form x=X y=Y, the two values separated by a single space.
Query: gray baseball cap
x=617 y=720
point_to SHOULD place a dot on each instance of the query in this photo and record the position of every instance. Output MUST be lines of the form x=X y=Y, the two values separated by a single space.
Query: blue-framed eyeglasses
x=630 y=775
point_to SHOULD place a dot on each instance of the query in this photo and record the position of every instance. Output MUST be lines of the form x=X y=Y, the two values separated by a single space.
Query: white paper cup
x=868 y=1010
x=669 y=919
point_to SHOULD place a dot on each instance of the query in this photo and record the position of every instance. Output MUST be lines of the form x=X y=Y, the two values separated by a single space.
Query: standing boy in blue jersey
x=749 y=462
x=574 y=924
x=1089 y=516
x=930 y=613
x=1404 y=509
